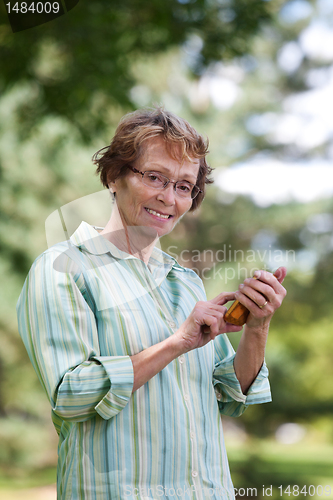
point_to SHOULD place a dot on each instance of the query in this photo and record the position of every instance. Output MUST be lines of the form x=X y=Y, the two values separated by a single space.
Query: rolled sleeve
x=259 y=391
x=231 y=399
x=121 y=375
x=60 y=333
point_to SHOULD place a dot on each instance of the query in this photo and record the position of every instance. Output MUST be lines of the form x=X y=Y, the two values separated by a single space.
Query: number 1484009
x=311 y=491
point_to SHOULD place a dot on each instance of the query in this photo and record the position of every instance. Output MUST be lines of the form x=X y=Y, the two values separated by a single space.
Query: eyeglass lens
x=158 y=181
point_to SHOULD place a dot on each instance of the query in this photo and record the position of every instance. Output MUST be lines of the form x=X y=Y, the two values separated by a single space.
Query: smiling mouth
x=157 y=214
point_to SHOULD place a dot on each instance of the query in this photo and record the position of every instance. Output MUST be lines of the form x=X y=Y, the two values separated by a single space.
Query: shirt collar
x=87 y=238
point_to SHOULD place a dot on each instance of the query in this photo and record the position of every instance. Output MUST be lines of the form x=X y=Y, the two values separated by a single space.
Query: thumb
x=280 y=274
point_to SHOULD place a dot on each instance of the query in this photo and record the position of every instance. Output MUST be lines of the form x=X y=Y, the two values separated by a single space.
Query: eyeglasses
x=156 y=180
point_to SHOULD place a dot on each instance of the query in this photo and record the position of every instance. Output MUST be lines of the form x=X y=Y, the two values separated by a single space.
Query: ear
x=112 y=187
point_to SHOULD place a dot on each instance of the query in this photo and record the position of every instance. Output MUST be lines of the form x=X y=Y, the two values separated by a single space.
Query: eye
x=184 y=187
x=154 y=177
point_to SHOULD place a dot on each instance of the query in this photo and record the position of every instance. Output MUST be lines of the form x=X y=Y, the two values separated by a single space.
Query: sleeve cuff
x=120 y=372
x=228 y=389
x=259 y=391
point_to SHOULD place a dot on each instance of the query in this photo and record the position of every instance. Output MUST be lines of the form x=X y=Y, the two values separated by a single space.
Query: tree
x=61 y=86
x=79 y=65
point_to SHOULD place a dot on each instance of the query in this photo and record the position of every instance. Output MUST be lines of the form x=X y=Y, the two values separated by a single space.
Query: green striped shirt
x=85 y=308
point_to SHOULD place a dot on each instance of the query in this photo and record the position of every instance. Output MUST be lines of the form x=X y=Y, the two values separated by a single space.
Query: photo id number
x=33 y=7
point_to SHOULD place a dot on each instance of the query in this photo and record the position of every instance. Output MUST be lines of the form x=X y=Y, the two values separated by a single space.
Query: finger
x=223 y=298
x=259 y=297
x=280 y=274
x=217 y=309
x=261 y=308
x=224 y=328
x=269 y=279
x=258 y=291
x=209 y=316
x=216 y=316
x=210 y=308
x=212 y=322
x=227 y=328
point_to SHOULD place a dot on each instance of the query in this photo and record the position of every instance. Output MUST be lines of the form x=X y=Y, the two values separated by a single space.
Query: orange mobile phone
x=237 y=314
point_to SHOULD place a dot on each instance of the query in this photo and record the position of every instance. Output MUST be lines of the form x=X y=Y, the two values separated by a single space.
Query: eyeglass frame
x=169 y=181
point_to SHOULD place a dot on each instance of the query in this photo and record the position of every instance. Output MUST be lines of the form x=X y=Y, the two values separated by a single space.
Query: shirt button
x=218 y=396
x=172 y=324
x=187 y=397
x=192 y=434
x=194 y=473
x=181 y=359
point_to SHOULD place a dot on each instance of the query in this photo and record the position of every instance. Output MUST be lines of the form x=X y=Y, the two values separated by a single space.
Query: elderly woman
x=126 y=345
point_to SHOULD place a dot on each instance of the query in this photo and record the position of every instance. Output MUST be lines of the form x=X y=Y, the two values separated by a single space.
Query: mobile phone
x=237 y=314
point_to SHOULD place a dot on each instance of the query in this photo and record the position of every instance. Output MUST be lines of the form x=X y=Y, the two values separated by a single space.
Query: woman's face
x=136 y=201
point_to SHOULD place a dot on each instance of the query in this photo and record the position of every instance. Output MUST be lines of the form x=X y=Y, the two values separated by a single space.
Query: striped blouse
x=85 y=308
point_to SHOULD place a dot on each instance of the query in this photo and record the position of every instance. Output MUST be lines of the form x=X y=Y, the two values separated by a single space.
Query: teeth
x=156 y=213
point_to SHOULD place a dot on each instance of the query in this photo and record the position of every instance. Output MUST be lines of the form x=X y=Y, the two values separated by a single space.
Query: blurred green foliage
x=64 y=86
x=79 y=66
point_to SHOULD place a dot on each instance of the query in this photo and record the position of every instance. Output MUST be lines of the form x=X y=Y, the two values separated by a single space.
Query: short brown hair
x=134 y=128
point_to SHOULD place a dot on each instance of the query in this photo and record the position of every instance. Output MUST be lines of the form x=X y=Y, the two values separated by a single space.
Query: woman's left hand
x=262 y=295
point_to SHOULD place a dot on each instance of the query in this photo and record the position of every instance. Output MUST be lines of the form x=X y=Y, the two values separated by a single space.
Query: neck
x=138 y=241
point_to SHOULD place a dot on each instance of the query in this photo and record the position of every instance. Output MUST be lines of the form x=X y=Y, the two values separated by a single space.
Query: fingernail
x=241 y=286
x=257 y=274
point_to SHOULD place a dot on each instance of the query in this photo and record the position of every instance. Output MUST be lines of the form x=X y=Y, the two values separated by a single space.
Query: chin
x=164 y=232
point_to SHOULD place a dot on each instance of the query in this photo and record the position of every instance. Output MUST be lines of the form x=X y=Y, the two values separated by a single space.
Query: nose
x=167 y=194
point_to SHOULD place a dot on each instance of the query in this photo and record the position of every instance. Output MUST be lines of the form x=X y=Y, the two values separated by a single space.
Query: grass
x=26 y=479
x=267 y=464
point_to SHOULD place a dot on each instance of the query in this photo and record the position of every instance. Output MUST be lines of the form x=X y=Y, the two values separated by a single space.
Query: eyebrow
x=165 y=170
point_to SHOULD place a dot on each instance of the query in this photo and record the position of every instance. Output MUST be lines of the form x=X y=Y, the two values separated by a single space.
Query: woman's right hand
x=205 y=322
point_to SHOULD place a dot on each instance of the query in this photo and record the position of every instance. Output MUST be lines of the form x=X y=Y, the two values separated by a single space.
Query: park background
x=254 y=76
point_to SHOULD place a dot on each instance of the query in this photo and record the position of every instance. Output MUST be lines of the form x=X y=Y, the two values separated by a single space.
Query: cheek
x=140 y=195
x=185 y=207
